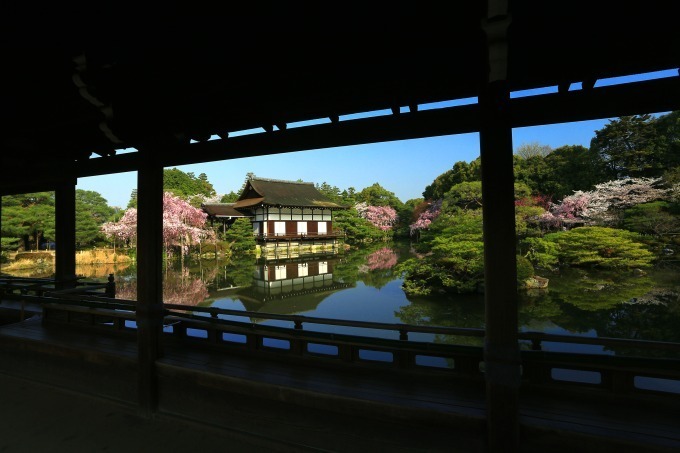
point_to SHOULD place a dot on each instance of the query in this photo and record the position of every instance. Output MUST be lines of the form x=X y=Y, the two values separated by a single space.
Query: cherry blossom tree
x=602 y=204
x=183 y=225
x=124 y=230
x=426 y=217
x=383 y=217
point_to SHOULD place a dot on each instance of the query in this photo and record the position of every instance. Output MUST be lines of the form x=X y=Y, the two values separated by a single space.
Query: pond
x=362 y=285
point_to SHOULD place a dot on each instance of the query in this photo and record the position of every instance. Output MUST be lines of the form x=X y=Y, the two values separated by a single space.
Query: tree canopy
x=28 y=218
x=92 y=211
x=630 y=146
x=533 y=149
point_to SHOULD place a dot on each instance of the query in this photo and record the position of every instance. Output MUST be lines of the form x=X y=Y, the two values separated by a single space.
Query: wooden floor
x=311 y=408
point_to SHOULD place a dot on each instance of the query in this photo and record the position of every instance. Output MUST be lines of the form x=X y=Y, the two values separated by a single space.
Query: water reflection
x=362 y=285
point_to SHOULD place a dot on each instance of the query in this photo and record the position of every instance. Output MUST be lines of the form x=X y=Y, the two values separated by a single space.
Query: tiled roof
x=222 y=210
x=273 y=192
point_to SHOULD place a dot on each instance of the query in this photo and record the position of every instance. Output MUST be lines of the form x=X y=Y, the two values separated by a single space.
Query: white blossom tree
x=602 y=204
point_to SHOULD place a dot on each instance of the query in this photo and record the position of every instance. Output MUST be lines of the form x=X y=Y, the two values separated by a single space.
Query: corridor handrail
x=299 y=320
x=537 y=338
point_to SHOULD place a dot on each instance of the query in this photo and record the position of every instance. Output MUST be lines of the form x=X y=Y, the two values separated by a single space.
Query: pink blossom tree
x=183 y=225
x=426 y=217
x=383 y=217
x=124 y=230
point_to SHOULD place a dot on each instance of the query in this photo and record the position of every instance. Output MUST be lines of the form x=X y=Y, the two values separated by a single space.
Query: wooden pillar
x=149 y=276
x=501 y=349
x=502 y=366
x=0 y=233
x=65 y=233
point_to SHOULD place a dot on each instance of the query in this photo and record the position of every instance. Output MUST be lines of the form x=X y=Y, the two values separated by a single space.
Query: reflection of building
x=283 y=279
x=289 y=218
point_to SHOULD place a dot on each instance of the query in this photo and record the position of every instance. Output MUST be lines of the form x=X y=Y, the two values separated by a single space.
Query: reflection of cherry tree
x=179 y=287
x=376 y=269
x=126 y=290
x=385 y=258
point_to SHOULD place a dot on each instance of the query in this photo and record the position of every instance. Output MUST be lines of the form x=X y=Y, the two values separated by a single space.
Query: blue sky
x=403 y=167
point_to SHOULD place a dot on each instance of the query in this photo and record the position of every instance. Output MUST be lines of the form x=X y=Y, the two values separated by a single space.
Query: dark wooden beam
x=430 y=123
x=605 y=102
x=652 y=96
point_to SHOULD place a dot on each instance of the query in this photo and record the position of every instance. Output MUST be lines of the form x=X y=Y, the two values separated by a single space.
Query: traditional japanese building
x=288 y=217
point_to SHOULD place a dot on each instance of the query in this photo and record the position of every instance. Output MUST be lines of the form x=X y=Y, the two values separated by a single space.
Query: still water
x=362 y=285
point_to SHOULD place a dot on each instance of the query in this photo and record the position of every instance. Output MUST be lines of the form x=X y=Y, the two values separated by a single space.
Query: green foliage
x=572 y=168
x=133 y=200
x=9 y=243
x=601 y=247
x=356 y=228
x=28 y=218
x=230 y=197
x=532 y=149
x=534 y=172
x=456 y=256
x=463 y=273
x=421 y=276
x=92 y=211
x=331 y=192
x=377 y=195
x=668 y=130
x=671 y=176
x=630 y=146
x=239 y=270
x=525 y=269
x=240 y=235
x=349 y=196
x=525 y=217
x=218 y=248
x=185 y=185
x=466 y=195
x=405 y=215
x=651 y=218
x=592 y=291
x=461 y=172
x=541 y=252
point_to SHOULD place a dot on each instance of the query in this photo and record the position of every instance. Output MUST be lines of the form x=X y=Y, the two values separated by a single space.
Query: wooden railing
x=10 y=286
x=31 y=290
x=387 y=345
x=605 y=374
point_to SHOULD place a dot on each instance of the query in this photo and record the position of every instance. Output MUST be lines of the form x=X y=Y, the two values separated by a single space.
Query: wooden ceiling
x=76 y=85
